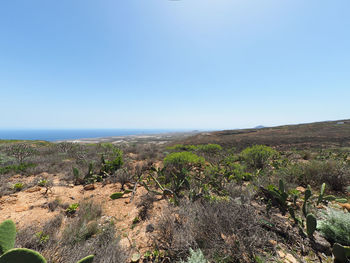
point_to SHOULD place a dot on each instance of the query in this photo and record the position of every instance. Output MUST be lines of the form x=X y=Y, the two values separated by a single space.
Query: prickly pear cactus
x=22 y=255
x=341 y=253
x=311 y=224
x=117 y=195
x=87 y=259
x=7 y=235
x=320 y=196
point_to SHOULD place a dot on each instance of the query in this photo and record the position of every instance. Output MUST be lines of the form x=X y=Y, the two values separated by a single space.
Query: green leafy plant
x=42 y=238
x=18 y=186
x=258 y=156
x=72 y=209
x=196 y=256
x=209 y=148
x=335 y=226
x=182 y=159
x=42 y=182
x=116 y=161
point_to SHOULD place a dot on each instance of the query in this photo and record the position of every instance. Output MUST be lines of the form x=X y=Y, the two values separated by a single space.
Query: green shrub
x=258 y=156
x=72 y=208
x=335 y=174
x=18 y=186
x=209 y=148
x=183 y=159
x=115 y=162
x=43 y=182
x=17 y=168
x=196 y=256
x=336 y=226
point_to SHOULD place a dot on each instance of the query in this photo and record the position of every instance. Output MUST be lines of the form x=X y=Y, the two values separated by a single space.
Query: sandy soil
x=30 y=207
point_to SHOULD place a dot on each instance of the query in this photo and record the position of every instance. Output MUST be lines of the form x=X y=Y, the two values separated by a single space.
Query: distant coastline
x=77 y=134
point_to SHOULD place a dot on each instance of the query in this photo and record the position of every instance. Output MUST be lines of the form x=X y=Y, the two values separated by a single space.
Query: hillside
x=311 y=135
x=151 y=200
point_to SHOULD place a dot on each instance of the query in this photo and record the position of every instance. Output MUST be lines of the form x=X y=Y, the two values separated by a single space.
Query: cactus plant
x=116 y=195
x=341 y=200
x=8 y=254
x=311 y=224
x=22 y=255
x=7 y=235
x=330 y=198
x=87 y=259
x=320 y=196
x=307 y=196
x=341 y=253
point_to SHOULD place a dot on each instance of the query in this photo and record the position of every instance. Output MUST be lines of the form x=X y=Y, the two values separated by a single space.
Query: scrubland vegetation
x=222 y=204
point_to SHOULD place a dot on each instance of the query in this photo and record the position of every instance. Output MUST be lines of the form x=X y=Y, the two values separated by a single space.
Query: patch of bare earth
x=31 y=207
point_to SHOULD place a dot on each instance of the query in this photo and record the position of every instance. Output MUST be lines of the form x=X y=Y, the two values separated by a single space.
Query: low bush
x=182 y=159
x=225 y=230
x=258 y=156
x=335 y=174
x=16 y=168
x=18 y=187
x=196 y=256
x=209 y=148
x=335 y=226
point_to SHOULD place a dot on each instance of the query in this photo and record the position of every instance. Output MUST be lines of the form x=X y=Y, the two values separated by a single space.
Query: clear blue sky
x=195 y=64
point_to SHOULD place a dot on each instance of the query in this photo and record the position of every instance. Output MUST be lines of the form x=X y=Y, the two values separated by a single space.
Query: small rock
x=33 y=189
x=149 y=228
x=20 y=209
x=72 y=197
x=89 y=187
x=319 y=243
x=281 y=254
x=300 y=189
x=273 y=242
x=71 y=185
x=290 y=259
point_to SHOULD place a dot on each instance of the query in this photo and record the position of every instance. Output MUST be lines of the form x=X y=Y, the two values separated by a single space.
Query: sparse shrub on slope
x=258 y=156
x=336 y=226
x=196 y=256
x=224 y=230
x=20 y=151
x=335 y=174
x=209 y=148
x=182 y=160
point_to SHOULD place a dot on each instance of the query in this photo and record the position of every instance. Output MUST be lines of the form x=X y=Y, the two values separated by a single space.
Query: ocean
x=58 y=135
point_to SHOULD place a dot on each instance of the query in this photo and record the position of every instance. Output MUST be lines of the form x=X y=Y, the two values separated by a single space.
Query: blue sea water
x=57 y=135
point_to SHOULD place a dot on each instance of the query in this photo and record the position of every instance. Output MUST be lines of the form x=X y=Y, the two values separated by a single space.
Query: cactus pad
x=87 y=259
x=7 y=235
x=117 y=195
x=311 y=224
x=22 y=255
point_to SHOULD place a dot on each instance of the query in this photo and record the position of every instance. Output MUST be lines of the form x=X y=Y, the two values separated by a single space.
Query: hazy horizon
x=200 y=64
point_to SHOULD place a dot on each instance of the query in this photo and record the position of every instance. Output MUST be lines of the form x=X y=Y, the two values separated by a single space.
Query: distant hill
x=259 y=127
x=299 y=136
